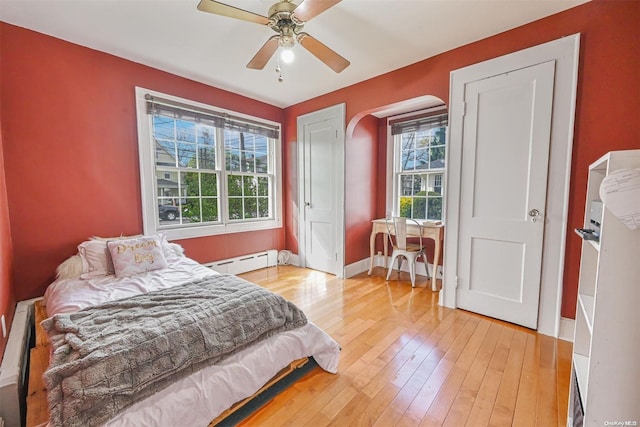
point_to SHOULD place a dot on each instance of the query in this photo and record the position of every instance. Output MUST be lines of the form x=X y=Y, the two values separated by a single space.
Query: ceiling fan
x=286 y=19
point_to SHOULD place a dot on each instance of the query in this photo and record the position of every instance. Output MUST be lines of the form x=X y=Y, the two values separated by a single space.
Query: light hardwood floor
x=406 y=361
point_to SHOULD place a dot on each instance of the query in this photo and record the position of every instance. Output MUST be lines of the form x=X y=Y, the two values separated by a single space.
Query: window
x=205 y=171
x=419 y=149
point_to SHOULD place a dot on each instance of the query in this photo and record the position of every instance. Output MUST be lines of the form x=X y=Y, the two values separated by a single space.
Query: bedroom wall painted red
x=361 y=203
x=7 y=300
x=71 y=153
x=607 y=113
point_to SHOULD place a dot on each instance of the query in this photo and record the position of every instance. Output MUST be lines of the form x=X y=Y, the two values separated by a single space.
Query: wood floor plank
x=527 y=400
x=406 y=361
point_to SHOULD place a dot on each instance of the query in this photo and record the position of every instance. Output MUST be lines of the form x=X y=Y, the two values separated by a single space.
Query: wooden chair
x=397 y=232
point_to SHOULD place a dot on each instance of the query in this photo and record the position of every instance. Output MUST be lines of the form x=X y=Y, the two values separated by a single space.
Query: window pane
x=191 y=183
x=206 y=135
x=435 y=208
x=406 y=185
x=408 y=152
x=235 y=208
x=247 y=141
x=249 y=186
x=186 y=155
x=165 y=153
x=234 y=185
x=419 y=208
x=263 y=186
x=422 y=158
x=250 y=207
x=439 y=136
x=209 y=184
x=209 y=209
x=232 y=160
x=263 y=207
x=423 y=138
x=206 y=157
x=163 y=127
x=262 y=163
x=191 y=211
x=248 y=161
x=261 y=155
x=185 y=131
x=437 y=157
x=406 y=206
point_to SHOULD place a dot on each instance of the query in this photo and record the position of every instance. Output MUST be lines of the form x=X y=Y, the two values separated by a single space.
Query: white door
x=321 y=136
x=505 y=157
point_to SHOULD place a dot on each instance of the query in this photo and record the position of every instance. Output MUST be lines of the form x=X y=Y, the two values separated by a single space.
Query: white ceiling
x=377 y=36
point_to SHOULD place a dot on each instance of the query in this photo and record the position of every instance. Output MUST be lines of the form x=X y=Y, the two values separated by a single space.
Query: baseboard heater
x=245 y=263
x=14 y=370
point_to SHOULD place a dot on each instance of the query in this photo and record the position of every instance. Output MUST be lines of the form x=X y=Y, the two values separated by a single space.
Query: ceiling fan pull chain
x=279 y=71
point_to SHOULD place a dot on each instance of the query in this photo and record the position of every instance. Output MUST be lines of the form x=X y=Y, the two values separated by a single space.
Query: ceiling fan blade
x=218 y=8
x=334 y=61
x=264 y=54
x=311 y=8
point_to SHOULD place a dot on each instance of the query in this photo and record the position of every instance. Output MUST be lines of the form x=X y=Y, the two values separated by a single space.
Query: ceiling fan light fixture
x=286 y=55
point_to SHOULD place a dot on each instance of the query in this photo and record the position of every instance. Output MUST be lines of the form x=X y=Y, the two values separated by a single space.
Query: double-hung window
x=419 y=148
x=205 y=171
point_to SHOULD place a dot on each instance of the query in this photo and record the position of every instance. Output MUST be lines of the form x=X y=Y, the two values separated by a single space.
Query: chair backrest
x=397 y=229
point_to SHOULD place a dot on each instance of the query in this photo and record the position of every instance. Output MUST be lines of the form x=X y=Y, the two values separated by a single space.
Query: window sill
x=218 y=229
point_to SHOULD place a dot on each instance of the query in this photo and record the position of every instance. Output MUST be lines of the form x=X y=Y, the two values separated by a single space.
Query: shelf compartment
x=581 y=367
x=587 y=303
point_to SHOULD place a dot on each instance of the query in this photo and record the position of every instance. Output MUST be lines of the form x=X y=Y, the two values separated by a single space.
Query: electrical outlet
x=4 y=326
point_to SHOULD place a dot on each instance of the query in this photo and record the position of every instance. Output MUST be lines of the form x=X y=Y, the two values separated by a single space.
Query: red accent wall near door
x=7 y=300
x=71 y=152
x=607 y=111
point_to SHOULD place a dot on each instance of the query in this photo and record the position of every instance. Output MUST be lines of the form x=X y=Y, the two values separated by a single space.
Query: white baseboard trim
x=567 y=327
x=378 y=261
x=356 y=268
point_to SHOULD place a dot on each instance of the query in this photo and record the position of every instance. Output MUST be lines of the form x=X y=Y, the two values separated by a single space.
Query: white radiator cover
x=245 y=263
x=13 y=372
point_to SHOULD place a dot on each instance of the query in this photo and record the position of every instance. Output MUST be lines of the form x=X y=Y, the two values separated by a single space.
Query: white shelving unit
x=606 y=347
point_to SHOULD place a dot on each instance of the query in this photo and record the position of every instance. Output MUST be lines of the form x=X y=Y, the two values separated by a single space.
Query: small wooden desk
x=429 y=231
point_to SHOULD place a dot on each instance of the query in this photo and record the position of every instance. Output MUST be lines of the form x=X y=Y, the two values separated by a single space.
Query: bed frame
x=37 y=406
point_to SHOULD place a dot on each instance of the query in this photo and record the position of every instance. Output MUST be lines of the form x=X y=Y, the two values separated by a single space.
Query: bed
x=96 y=279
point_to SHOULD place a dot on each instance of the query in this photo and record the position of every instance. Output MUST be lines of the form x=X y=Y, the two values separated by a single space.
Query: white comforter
x=201 y=397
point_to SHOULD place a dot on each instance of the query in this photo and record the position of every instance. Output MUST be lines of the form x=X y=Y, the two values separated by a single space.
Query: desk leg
x=436 y=259
x=372 y=249
x=386 y=245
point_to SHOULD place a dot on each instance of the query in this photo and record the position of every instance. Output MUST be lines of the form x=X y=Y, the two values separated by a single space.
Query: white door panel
x=321 y=138
x=318 y=195
x=505 y=155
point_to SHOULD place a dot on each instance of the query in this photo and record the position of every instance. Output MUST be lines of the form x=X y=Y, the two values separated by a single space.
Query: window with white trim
x=205 y=171
x=419 y=150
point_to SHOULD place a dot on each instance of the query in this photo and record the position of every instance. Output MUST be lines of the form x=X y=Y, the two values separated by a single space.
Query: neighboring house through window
x=205 y=171
x=418 y=163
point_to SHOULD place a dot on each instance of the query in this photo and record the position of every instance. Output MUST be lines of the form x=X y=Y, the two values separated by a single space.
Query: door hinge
x=464 y=108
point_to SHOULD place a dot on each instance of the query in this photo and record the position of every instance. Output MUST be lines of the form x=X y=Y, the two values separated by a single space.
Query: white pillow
x=95 y=258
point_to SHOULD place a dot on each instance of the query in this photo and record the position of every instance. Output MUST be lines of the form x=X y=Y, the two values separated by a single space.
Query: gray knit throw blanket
x=106 y=358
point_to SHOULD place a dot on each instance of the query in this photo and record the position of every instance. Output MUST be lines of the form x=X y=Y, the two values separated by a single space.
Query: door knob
x=534 y=214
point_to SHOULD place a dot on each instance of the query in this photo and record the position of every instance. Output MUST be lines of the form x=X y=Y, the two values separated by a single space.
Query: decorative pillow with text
x=136 y=256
